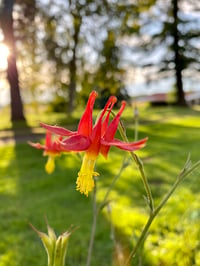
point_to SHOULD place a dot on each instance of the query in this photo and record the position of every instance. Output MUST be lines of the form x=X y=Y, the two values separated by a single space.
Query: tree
x=76 y=22
x=78 y=31
x=29 y=48
x=68 y=27
x=108 y=79
x=178 y=58
x=108 y=74
x=61 y=38
x=6 y=20
x=168 y=41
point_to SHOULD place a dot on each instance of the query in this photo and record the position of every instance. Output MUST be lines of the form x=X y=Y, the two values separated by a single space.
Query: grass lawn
x=27 y=194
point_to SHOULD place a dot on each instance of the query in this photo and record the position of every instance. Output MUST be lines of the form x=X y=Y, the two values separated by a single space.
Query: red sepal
x=76 y=143
x=36 y=145
x=85 y=124
x=58 y=130
x=127 y=146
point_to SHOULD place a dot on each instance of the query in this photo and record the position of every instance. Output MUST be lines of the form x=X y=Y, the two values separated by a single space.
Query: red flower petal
x=127 y=146
x=112 y=128
x=48 y=139
x=105 y=122
x=96 y=133
x=111 y=101
x=85 y=124
x=76 y=143
x=58 y=130
x=95 y=140
x=37 y=145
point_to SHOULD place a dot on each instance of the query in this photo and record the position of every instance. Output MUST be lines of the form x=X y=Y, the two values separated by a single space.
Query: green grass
x=27 y=194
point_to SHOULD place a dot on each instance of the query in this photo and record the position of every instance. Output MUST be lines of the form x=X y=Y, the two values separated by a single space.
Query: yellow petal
x=85 y=181
x=50 y=165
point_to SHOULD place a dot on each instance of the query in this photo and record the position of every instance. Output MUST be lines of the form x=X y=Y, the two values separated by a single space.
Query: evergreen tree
x=169 y=31
x=108 y=79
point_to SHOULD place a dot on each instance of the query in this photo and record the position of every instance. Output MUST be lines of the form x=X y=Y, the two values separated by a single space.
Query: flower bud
x=56 y=248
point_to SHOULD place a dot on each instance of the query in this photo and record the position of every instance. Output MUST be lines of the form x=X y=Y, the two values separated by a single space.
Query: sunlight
x=4 y=53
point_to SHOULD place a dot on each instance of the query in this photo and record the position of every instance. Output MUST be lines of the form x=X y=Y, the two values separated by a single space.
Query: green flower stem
x=136 y=129
x=136 y=117
x=188 y=169
x=105 y=200
x=97 y=209
x=94 y=224
x=139 y=163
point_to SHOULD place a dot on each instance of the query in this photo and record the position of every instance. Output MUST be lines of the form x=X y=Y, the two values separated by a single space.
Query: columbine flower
x=94 y=139
x=52 y=148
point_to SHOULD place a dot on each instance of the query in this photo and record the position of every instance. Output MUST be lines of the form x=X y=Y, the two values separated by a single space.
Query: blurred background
x=56 y=52
x=53 y=53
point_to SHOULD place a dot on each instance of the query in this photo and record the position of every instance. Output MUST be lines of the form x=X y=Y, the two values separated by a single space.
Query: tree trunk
x=12 y=73
x=72 y=84
x=180 y=99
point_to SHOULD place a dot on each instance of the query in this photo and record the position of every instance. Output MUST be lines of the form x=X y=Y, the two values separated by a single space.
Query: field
x=27 y=194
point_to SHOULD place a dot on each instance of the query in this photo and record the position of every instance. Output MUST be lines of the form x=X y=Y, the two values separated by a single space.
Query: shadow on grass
x=33 y=194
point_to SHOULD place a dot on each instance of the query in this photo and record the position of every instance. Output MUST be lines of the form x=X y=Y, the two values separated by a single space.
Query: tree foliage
x=29 y=47
x=109 y=77
x=69 y=31
x=169 y=36
x=82 y=41
x=65 y=47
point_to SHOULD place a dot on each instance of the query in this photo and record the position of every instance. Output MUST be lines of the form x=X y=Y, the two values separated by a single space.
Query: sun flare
x=4 y=53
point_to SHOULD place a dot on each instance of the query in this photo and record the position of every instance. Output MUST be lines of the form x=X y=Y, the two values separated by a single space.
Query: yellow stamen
x=50 y=164
x=85 y=181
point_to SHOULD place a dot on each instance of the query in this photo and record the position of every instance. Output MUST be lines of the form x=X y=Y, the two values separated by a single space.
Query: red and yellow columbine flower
x=93 y=139
x=52 y=148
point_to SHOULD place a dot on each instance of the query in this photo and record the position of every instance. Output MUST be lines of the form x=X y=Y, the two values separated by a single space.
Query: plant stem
x=96 y=209
x=124 y=164
x=94 y=224
x=136 y=116
x=136 y=129
x=185 y=172
x=139 y=163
